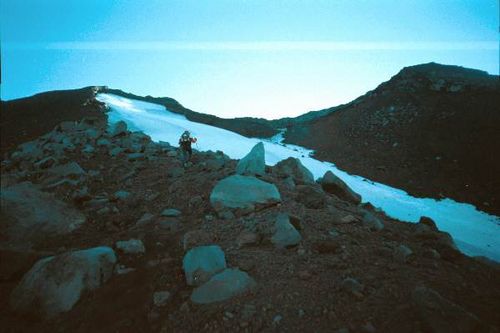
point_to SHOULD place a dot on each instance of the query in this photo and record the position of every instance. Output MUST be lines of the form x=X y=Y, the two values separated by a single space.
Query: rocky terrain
x=104 y=230
x=432 y=130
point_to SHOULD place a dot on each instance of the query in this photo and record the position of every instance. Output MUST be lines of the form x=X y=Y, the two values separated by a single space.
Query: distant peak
x=435 y=70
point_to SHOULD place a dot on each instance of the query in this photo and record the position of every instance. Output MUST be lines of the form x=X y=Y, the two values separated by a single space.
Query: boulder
x=441 y=315
x=223 y=286
x=119 y=128
x=254 y=162
x=55 y=284
x=202 y=262
x=292 y=167
x=242 y=192
x=29 y=215
x=334 y=185
x=285 y=234
x=132 y=246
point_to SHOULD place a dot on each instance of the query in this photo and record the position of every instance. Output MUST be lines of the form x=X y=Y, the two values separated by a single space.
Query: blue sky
x=238 y=58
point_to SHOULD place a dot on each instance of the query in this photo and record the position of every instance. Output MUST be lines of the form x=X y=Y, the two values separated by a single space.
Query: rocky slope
x=432 y=130
x=220 y=245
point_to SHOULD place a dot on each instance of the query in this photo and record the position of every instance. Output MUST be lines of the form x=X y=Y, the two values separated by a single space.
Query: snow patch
x=475 y=233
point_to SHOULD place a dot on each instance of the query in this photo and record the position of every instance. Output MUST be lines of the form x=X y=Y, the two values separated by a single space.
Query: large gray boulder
x=285 y=234
x=441 y=315
x=55 y=284
x=242 y=192
x=254 y=162
x=229 y=283
x=334 y=185
x=202 y=262
x=29 y=215
x=292 y=167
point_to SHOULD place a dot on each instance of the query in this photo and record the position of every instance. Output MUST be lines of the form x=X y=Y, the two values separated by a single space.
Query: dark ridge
x=249 y=127
x=27 y=118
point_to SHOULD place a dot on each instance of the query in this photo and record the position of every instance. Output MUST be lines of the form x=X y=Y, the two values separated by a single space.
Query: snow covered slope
x=474 y=232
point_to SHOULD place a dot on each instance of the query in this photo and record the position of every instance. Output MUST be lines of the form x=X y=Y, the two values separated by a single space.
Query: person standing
x=185 y=142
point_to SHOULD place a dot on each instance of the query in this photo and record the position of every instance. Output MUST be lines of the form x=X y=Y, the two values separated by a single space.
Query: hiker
x=185 y=146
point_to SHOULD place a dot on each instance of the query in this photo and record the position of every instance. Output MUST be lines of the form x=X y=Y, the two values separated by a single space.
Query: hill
x=432 y=130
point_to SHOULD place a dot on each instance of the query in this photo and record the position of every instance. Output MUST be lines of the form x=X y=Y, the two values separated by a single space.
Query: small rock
x=45 y=163
x=146 y=218
x=119 y=128
x=132 y=246
x=368 y=328
x=195 y=201
x=103 y=142
x=431 y=254
x=352 y=285
x=81 y=195
x=116 y=151
x=277 y=320
x=104 y=211
x=373 y=222
x=226 y=215
x=122 y=195
x=171 y=212
x=121 y=269
x=220 y=287
x=160 y=298
x=246 y=238
x=285 y=234
x=136 y=156
x=348 y=219
x=402 y=253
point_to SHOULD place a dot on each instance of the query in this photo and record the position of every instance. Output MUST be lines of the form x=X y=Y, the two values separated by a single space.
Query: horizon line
x=254 y=46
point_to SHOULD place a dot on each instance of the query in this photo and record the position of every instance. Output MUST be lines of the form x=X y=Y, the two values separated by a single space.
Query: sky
x=237 y=58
